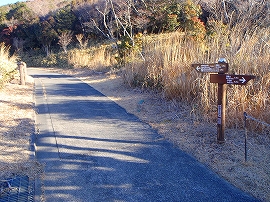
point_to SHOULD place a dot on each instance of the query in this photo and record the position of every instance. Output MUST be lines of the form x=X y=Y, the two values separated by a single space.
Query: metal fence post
x=245 y=125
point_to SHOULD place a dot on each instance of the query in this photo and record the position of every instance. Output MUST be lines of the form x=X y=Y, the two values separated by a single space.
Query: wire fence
x=246 y=118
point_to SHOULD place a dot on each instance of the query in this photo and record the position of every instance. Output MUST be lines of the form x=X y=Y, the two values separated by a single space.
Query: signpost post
x=22 y=69
x=221 y=79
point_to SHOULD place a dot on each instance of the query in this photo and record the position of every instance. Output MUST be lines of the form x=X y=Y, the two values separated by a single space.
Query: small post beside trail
x=221 y=78
x=245 y=125
x=22 y=69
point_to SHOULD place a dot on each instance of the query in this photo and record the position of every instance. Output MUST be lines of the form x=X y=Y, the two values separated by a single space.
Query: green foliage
x=21 y=20
x=190 y=22
x=124 y=48
x=173 y=7
x=37 y=59
x=3 y=13
x=156 y=16
x=17 y=11
x=49 y=61
x=172 y=22
x=159 y=16
x=64 y=20
x=45 y=33
x=168 y=16
x=33 y=60
x=22 y=13
x=127 y=46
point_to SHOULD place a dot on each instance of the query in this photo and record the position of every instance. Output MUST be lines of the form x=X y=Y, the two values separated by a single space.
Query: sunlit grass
x=167 y=66
x=95 y=58
x=8 y=65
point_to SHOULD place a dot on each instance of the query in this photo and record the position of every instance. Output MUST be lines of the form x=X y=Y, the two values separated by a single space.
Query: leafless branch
x=65 y=39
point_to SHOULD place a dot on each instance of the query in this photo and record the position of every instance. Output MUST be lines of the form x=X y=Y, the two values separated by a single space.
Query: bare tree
x=252 y=13
x=113 y=19
x=18 y=43
x=65 y=39
x=83 y=42
x=116 y=20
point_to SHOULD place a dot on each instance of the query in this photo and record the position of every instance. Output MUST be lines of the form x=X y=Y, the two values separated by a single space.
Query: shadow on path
x=95 y=151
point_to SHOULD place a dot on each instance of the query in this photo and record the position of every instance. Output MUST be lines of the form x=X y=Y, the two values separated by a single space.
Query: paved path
x=95 y=151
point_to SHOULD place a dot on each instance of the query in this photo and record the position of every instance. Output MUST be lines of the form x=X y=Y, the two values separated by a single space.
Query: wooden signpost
x=230 y=79
x=211 y=68
x=221 y=78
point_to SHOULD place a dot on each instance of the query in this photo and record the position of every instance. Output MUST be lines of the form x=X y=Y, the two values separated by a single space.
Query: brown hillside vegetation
x=42 y=8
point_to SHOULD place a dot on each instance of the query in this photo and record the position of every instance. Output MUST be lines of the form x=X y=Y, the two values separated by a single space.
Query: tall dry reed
x=96 y=58
x=8 y=64
x=167 y=65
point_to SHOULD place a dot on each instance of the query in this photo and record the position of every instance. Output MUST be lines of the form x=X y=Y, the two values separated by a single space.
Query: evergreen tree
x=45 y=34
x=22 y=14
x=65 y=20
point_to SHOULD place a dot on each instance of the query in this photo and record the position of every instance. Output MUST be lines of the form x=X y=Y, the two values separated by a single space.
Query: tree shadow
x=15 y=138
x=139 y=171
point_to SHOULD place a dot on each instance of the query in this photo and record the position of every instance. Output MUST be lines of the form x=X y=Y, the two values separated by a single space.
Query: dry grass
x=95 y=58
x=7 y=64
x=168 y=60
x=16 y=127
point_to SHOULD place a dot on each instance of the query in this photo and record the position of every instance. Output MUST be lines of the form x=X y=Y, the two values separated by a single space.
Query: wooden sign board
x=221 y=78
x=230 y=79
x=211 y=68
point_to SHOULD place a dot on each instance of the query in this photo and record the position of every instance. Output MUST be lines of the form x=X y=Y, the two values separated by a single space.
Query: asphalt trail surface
x=95 y=151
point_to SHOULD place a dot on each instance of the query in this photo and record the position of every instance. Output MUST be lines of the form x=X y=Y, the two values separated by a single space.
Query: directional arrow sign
x=230 y=79
x=211 y=68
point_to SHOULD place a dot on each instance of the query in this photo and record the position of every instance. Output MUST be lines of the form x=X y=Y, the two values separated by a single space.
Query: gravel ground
x=17 y=124
x=175 y=121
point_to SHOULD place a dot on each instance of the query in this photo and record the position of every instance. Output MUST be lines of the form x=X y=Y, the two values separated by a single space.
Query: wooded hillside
x=41 y=24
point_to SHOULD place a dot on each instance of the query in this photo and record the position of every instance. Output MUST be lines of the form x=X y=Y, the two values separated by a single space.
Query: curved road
x=95 y=151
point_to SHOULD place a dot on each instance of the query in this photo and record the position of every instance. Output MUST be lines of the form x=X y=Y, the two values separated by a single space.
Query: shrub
x=128 y=47
x=96 y=58
x=190 y=22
